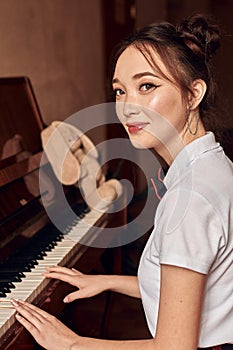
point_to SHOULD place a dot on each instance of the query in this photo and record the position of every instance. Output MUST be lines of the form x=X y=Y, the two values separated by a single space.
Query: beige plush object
x=74 y=160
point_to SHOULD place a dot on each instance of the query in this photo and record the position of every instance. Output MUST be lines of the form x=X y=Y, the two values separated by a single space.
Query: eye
x=147 y=87
x=118 y=92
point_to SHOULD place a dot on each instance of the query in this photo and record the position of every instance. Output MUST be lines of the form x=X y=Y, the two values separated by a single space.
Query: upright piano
x=29 y=241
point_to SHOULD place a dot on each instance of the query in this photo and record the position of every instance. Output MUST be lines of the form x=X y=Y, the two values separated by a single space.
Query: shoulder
x=189 y=233
x=185 y=204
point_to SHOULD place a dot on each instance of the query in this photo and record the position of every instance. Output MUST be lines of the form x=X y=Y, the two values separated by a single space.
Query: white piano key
x=34 y=282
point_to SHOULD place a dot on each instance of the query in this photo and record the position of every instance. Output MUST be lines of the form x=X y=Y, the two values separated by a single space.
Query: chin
x=140 y=145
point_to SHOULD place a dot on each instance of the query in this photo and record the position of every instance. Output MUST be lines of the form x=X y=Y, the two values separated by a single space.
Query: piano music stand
x=20 y=115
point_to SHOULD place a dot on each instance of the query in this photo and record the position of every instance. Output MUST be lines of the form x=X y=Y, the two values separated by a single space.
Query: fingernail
x=65 y=300
x=14 y=302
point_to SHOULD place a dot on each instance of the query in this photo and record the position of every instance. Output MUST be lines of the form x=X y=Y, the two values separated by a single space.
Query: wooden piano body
x=28 y=240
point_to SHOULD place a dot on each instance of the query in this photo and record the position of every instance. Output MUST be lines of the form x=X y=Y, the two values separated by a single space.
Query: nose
x=130 y=109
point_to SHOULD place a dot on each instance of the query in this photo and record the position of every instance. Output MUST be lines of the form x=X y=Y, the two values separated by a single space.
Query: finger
x=71 y=297
x=58 y=269
x=61 y=269
x=63 y=277
x=28 y=325
x=24 y=307
x=74 y=296
x=77 y=272
x=33 y=316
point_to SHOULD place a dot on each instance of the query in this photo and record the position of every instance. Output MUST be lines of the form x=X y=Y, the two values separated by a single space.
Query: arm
x=177 y=328
x=180 y=308
x=178 y=320
x=127 y=285
x=90 y=285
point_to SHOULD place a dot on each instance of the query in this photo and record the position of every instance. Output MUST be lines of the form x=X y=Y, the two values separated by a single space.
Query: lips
x=136 y=127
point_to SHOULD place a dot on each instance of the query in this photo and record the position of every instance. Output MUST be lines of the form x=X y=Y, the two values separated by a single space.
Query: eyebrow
x=137 y=76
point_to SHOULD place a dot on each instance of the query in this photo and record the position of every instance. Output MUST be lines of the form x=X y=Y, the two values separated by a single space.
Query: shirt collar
x=188 y=155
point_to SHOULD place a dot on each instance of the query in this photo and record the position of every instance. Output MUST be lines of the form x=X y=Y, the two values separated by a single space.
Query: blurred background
x=64 y=46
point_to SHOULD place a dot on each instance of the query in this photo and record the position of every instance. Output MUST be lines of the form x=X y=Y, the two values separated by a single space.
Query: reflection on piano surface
x=28 y=240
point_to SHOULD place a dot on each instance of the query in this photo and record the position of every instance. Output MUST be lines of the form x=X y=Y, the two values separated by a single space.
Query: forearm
x=100 y=344
x=127 y=285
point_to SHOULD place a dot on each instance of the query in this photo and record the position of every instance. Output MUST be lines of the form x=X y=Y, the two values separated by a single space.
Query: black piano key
x=26 y=258
x=5 y=289
x=11 y=270
x=6 y=281
x=6 y=285
x=86 y=210
x=21 y=266
x=12 y=277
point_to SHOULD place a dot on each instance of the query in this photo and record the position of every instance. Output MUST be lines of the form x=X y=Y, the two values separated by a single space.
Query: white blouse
x=193 y=229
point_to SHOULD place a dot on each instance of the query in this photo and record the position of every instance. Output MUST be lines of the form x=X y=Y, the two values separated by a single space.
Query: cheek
x=168 y=105
x=120 y=111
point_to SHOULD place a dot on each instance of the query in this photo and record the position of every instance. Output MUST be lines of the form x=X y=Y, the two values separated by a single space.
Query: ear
x=198 y=88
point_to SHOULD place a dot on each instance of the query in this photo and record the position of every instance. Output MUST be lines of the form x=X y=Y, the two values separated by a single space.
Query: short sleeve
x=190 y=233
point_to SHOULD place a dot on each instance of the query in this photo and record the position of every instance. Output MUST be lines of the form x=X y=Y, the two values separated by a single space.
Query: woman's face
x=150 y=106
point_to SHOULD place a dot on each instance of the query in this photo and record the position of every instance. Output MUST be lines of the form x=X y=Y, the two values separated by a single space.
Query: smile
x=136 y=127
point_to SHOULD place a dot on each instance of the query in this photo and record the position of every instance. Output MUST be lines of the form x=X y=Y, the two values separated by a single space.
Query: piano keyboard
x=32 y=283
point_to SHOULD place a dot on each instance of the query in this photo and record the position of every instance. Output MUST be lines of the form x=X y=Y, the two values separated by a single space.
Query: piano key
x=56 y=253
x=11 y=277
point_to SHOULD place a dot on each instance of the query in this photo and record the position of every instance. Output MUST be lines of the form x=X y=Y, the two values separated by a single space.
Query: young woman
x=165 y=92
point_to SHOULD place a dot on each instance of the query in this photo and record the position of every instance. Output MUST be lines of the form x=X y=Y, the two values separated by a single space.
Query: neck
x=170 y=150
x=188 y=137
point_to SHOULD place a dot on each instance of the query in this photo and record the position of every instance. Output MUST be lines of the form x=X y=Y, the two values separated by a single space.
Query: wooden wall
x=61 y=46
x=222 y=13
x=176 y=10
x=58 y=45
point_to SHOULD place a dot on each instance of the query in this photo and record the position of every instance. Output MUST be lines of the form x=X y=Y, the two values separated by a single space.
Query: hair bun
x=200 y=35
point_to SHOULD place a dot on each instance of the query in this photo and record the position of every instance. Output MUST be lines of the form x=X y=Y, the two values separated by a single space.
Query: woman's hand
x=47 y=330
x=88 y=285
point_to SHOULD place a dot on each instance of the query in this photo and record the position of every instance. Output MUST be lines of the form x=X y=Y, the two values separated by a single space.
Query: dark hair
x=185 y=50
